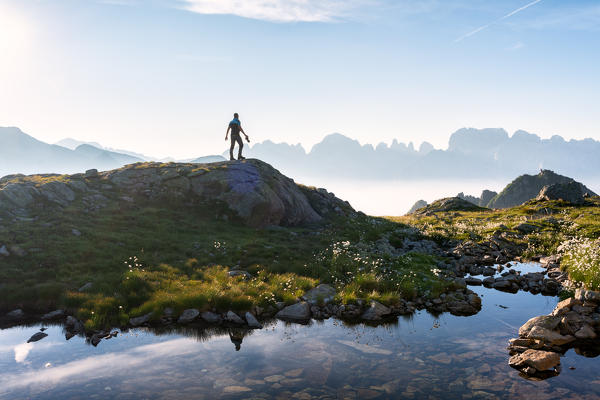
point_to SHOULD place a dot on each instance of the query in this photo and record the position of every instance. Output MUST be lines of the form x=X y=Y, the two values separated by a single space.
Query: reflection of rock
x=16 y=314
x=37 y=336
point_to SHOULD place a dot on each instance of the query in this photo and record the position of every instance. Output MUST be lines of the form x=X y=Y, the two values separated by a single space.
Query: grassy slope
x=145 y=257
x=557 y=223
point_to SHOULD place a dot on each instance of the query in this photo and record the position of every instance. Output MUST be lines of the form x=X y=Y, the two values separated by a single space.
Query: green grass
x=144 y=257
x=557 y=223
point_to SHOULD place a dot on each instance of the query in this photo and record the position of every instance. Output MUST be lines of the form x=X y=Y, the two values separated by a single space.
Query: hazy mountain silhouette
x=21 y=153
x=73 y=144
x=471 y=153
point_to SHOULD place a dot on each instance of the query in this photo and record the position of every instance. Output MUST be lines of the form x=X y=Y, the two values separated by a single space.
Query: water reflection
x=418 y=357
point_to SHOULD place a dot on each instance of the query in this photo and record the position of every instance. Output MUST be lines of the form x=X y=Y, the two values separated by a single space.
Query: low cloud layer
x=279 y=10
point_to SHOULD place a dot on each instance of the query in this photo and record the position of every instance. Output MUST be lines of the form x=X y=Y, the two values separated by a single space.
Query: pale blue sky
x=164 y=76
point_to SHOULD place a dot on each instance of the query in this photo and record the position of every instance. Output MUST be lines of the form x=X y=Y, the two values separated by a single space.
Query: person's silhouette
x=237 y=337
x=235 y=126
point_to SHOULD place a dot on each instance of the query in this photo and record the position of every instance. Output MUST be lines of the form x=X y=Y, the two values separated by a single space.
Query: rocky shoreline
x=574 y=324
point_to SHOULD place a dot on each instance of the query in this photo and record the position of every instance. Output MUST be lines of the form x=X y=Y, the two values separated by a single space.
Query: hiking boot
x=241 y=158
x=231 y=159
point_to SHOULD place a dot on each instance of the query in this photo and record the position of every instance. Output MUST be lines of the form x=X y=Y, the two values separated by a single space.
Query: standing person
x=236 y=127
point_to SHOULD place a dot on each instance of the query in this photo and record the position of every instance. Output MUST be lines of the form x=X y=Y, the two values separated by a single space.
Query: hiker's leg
x=231 y=148
x=241 y=146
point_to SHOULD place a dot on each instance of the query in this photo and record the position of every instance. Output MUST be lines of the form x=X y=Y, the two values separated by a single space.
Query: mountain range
x=472 y=153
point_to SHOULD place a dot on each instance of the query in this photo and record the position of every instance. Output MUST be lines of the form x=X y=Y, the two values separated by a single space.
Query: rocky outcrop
x=250 y=190
x=322 y=294
x=574 y=323
x=296 y=312
x=480 y=201
x=448 y=204
x=188 y=316
x=417 y=206
x=527 y=187
x=571 y=192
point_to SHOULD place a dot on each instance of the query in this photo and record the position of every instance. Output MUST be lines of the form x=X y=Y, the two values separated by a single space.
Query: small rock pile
x=574 y=323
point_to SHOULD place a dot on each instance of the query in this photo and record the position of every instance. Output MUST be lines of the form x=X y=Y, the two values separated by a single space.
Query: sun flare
x=15 y=32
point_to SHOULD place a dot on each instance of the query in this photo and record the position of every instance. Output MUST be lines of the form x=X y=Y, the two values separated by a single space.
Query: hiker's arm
x=227 y=133
x=242 y=130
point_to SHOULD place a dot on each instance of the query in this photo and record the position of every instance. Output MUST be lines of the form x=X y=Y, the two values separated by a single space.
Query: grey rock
x=375 y=311
x=572 y=192
x=74 y=325
x=545 y=321
x=322 y=294
x=473 y=281
x=188 y=316
x=16 y=314
x=538 y=359
x=211 y=317
x=37 y=336
x=296 y=312
x=53 y=315
x=247 y=275
x=57 y=192
x=91 y=173
x=137 y=321
x=4 y=251
x=86 y=287
x=75 y=232
x=527 y=228
x=234 y=318
x=252 y=321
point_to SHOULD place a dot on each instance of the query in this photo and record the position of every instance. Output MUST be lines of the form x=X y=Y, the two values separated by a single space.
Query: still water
x=423 y=357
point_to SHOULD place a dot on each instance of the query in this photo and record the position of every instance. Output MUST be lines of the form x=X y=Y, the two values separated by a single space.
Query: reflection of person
x=237 y=337
x=235 y=126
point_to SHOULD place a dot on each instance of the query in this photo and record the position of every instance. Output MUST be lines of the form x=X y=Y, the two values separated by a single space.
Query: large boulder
x=571 y=192
x=538 y=359
x=188 y=316
x=256 y=192
x=376 y=311
x=321 y=294
x=448 y=204
x=295 y=312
